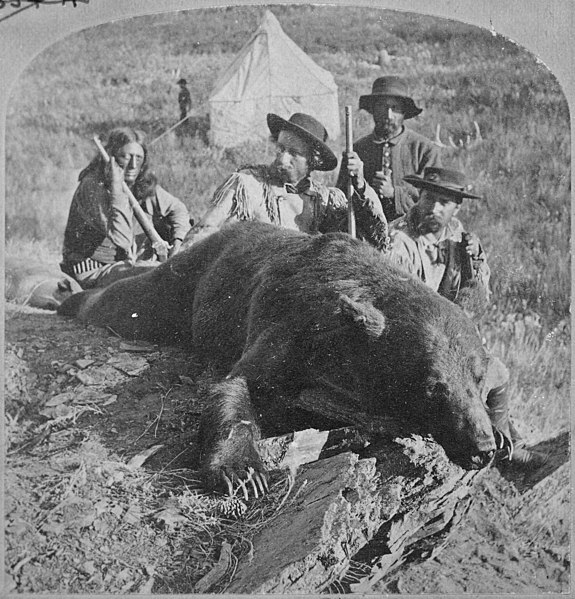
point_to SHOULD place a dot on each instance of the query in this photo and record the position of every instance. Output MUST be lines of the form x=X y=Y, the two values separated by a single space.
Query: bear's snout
x=481 y=460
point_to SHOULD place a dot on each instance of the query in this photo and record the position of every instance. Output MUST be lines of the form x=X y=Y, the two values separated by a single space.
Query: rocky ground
x=102 y=493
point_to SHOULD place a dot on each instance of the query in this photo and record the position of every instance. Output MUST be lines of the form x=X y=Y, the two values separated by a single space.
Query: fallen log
x=397 y=499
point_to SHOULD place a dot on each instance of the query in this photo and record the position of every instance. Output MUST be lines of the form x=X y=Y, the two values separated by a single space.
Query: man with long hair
x=103 y=241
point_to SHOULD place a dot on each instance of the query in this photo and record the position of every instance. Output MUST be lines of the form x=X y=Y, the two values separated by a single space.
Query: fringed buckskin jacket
x=252 y=193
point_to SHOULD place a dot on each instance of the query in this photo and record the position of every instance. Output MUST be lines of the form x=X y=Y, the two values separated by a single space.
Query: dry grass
x=171 y=533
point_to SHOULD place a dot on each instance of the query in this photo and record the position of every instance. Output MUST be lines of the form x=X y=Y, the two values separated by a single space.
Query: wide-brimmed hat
x=445 y=181
x=182 y=82
x=390 y=86
x=309 y=129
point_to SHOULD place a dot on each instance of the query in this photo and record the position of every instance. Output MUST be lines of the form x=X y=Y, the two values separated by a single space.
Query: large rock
x=347 y=511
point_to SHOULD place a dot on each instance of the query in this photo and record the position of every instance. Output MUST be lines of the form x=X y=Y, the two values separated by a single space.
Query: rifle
x=159 y=245
x=467 y=270
x=350 y=190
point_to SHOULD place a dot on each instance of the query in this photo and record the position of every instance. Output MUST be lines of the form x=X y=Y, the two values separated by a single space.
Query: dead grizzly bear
x=282 y=312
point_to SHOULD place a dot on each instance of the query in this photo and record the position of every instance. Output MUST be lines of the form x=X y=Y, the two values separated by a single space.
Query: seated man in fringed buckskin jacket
x=284 y=194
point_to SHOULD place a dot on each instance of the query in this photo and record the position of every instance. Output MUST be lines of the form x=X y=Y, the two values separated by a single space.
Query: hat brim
x=410 y=109
x=424 y=184
x=327 y=157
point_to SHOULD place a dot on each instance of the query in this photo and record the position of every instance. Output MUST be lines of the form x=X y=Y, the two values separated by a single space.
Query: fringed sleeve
x=233 y=191
x=245 y=191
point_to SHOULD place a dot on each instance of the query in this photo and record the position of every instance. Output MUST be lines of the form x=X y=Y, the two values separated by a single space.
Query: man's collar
x=301 y=187
x=391 y=141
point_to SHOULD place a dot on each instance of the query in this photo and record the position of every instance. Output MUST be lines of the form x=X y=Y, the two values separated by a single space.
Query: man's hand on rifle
x=471 y=242
x=175 y=247
x=161 y=248
x=355 y=170
x=383 y=185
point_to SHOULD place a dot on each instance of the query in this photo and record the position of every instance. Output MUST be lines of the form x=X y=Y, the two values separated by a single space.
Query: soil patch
x=102 y=492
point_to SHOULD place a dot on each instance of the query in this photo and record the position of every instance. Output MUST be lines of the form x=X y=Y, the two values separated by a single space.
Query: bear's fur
x=280 y=312
x=37 y=285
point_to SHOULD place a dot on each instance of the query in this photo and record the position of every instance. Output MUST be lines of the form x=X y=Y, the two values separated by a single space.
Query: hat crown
x=447 y=178
x=311 y=131
x=390 y=85
x=309 y=124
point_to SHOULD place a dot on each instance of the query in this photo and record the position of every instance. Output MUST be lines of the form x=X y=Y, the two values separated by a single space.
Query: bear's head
x=419 y=357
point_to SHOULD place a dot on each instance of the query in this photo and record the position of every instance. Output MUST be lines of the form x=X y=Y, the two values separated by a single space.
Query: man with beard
x=382 y=159
x=430 y=243
x=283 y=193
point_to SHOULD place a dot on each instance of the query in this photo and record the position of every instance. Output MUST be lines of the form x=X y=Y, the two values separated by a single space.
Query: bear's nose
x=483 y=458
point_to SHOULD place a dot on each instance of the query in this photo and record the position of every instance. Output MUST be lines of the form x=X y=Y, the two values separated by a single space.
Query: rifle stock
x=158 y=243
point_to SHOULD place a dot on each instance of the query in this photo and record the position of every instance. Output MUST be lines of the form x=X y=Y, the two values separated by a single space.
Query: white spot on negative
x=135 y=315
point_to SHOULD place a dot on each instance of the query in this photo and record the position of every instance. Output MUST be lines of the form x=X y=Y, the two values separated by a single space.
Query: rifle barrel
x=350 y=190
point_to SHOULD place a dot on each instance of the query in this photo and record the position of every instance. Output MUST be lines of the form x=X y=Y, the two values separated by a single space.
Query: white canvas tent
x=270 y=74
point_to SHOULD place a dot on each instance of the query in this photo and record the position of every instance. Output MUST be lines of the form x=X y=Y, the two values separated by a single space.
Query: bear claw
x=257 y=481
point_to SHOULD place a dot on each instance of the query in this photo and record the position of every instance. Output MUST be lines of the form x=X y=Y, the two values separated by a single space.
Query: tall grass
x=125 y=73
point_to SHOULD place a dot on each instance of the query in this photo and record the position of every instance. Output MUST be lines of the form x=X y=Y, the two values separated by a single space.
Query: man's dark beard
x=385 y=131
x=428 y=224
x=278 y=175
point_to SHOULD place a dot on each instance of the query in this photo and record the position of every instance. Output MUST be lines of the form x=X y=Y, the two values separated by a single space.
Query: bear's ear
x=364 y=315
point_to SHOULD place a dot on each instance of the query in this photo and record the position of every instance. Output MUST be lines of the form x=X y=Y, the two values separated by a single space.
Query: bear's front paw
x=234 y=465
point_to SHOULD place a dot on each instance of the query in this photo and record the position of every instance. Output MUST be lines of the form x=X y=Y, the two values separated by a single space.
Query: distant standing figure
x=391 y=152
x=103 y=240
x=184 y=99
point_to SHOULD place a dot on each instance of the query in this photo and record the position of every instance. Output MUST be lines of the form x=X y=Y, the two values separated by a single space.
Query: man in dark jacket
x=383 y=158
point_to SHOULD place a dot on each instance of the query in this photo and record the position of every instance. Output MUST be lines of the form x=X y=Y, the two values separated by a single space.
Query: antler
x=468 y=142
x=437 y=141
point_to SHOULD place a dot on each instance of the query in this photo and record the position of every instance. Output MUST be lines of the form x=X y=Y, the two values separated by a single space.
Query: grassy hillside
x=125 y=72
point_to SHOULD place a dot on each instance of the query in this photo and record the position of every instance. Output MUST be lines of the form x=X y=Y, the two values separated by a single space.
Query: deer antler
x=469 y=141
x=437 y=141
x=478 y=137
x=466 y=143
